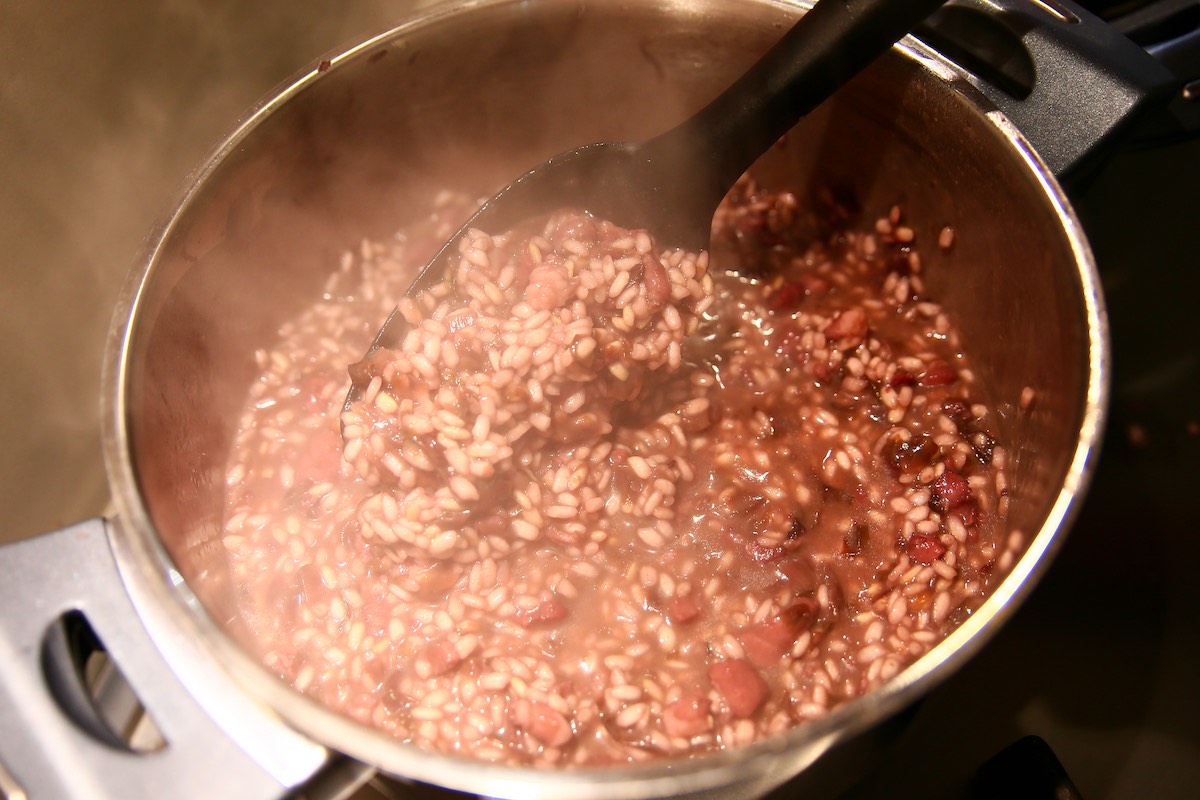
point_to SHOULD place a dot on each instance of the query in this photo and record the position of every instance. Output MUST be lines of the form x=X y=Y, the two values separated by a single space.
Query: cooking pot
x=465 y=97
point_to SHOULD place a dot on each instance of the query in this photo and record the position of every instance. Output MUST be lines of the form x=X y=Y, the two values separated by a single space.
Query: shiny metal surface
x=244 y=754
x=353 y=150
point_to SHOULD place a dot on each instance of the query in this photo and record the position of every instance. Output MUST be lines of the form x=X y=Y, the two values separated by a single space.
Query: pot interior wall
x=476 y=98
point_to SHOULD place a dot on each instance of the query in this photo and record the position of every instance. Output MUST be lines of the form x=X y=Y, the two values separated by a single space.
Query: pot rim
x=166 y=603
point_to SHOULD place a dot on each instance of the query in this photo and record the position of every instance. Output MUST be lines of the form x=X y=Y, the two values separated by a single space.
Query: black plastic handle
x=830 y=44
x=1070 y=82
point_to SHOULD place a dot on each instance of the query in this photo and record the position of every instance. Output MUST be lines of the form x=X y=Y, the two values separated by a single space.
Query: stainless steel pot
x=466 y=97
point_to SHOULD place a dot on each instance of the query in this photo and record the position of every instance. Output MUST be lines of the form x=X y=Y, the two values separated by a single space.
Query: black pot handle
x=64 y=725
x=1070 y=82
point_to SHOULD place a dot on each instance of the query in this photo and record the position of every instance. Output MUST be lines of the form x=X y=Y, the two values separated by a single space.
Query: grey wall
x=105 y=108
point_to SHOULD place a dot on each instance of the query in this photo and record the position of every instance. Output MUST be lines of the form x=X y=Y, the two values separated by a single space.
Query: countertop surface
x=106 y=108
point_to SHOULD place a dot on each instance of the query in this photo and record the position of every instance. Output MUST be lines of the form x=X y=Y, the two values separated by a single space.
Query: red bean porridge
x=606 y=504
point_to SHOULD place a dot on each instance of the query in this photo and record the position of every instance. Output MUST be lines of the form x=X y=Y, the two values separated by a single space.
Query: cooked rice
x=605 y=503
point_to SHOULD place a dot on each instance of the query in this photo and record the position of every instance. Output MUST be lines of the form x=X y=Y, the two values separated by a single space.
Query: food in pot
x=498 y=421
x=608 y=504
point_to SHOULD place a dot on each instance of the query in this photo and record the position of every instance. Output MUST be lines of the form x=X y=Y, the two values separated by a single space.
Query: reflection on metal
x=9 y=788
x=118 y=706
x=1059 y=11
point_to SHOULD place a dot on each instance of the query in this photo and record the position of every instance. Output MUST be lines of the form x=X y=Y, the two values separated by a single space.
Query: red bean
x=957 y=410
x=786 y=298
x=769 y=641
x=925 y=549
x=578 y=227
x=739 y=683
x=658 y=285
x=544 y=723
x=549 y=286
x=938 y=373
x=848 y=327
x=910 y=455
x=801 y=615
x=687 y=717
x=950 y=490
x=683 y=609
